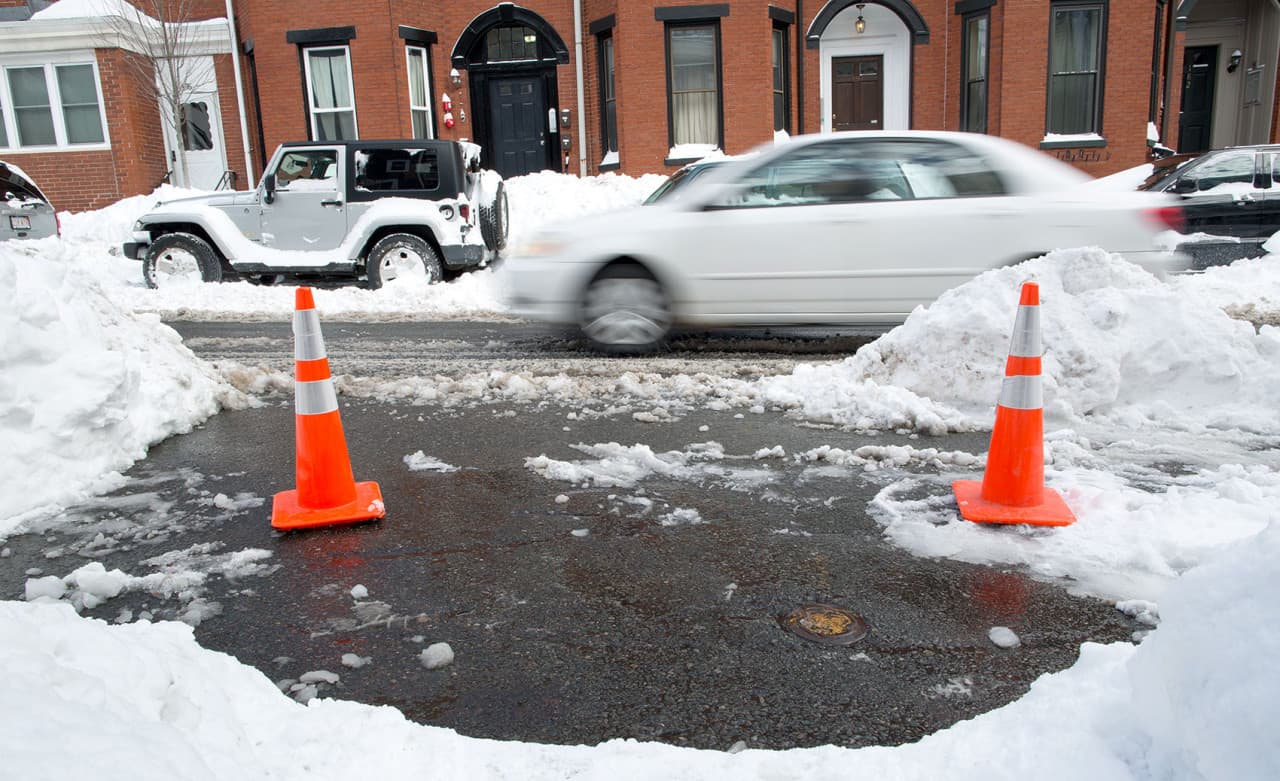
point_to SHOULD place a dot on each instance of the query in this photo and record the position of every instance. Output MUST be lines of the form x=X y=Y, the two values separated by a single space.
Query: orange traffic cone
x=327 y=492
x=1012 y=488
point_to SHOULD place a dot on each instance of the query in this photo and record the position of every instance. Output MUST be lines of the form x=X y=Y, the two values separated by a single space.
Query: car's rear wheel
x=494 y=222
x=625 y=311
x=180 y=259
x=402 y=257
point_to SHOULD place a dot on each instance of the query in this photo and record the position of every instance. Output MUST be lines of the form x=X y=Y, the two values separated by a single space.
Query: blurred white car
x=855 y=227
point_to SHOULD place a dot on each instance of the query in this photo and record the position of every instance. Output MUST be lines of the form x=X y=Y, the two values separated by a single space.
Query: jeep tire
x=400 y=253
x=180 y=258
x=494 y=221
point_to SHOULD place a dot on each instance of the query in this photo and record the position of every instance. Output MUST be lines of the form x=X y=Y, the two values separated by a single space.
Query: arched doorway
x=866 y=54
x=510 y=55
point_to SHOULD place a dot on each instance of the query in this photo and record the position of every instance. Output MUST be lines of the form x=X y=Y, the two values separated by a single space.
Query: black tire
x=180 y=256
x=494 y=221
x=398 y=252
x=625 y=311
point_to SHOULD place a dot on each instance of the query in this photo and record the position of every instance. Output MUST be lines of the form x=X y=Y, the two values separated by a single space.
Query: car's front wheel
x=625 y=311
x=402 y=256
x=178 y=259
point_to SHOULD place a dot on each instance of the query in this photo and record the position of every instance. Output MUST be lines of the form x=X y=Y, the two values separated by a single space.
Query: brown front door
x=857 y=87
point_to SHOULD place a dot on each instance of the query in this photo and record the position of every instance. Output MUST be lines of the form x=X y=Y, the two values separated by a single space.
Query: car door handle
x=331 y=203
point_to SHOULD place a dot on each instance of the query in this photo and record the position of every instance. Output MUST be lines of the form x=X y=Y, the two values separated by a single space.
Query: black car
x=1228 y=192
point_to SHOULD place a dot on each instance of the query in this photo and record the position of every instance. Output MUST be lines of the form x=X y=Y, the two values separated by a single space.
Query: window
x=859 y=171
x=313 y=170
x=382 y=170
x=973 y=100
x=1075 y=68
x=608 y=99
x=197 y=133
x=333 y=106
x=1233 y=167
x=693 y=77
x=511 y=44
x=781 y=79
x=51 y=105
x=419 y=97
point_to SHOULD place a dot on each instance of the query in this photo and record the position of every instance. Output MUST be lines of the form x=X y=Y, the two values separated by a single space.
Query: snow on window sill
x=1072 y=141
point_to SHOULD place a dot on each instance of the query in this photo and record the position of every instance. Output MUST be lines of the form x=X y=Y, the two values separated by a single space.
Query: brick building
x=636 y=86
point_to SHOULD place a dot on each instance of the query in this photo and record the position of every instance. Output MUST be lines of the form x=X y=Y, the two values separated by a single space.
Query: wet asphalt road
x=632 y=629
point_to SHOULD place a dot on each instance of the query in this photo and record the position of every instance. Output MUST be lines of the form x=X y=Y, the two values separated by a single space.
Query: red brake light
x=464 y=209
x=1170 y=217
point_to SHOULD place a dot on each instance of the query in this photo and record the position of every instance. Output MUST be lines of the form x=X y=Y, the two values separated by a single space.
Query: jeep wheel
x=494 y=222
x=625 y=311
x=180 y=259
x=402 y=256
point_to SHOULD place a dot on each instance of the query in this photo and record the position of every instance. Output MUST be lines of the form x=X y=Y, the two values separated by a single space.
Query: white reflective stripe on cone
x=308 y=343
x=1026 y=333
x=315 y=398
x=1022 y=392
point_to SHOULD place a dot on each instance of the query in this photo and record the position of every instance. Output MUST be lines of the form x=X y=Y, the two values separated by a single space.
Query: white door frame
x=200 y=70
x=885 y=35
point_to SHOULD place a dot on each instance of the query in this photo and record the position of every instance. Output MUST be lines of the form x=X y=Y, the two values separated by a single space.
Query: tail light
x=57 y=221
x=464 y=209
x=1170 y=217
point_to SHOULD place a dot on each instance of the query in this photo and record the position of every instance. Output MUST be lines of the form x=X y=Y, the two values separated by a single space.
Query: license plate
x=19 y=223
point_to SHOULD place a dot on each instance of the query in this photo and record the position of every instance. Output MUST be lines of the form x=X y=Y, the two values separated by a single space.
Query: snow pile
x=85 y=388
x=144 y=700
x=547 y=197
x=1118 y=344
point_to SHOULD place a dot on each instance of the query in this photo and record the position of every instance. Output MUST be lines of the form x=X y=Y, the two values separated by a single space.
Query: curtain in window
x=419 y=107
x=31 y=109
x=330 y=90
x=1073 y=63
x=694 y=97
x=79 y=94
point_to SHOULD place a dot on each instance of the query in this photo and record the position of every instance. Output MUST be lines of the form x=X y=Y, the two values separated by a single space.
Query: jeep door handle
x=331 y=203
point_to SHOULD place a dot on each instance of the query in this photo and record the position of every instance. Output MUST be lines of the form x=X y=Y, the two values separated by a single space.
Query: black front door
x=1195 y=123
x=518 y=125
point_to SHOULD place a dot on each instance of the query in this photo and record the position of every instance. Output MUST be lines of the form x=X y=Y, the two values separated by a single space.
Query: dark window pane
x=511 y=44
x=196 y=134
x=382 y=170
x=1074 y=69
x=976 y=107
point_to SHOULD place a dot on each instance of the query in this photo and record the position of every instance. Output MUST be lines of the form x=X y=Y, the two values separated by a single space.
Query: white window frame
x=49 y=62
x=426 y=87
x=312 y=111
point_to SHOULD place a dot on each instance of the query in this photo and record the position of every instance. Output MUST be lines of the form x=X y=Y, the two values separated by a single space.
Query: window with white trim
x=331 y=93
x=51 y=106
x=419 y=94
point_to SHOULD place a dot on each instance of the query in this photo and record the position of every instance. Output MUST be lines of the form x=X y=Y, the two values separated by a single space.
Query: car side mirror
x=269 y=188
x=1184 y=186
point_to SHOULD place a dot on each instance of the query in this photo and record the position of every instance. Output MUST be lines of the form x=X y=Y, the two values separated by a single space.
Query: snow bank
x=1118 y=344
x=85 y=388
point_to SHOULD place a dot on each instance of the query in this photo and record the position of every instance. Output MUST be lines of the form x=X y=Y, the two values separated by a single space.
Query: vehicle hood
x=214 y=199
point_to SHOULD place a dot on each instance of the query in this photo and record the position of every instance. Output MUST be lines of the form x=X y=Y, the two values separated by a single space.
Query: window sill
x=1074 y=143
x=681 y=161
x=47 y=149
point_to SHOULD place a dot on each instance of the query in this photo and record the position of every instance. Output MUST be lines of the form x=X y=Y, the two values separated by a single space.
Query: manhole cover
x=826 y=624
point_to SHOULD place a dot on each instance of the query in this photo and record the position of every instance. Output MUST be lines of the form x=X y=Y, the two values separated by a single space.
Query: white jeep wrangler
x=334 y=212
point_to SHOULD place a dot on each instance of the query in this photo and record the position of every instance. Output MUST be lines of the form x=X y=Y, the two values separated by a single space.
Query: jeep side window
x=384 y=170
x=312 y=169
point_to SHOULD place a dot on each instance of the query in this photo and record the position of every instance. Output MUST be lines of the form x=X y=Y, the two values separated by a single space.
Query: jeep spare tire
x=402 y=256
x=180 y=259
x=494 y=222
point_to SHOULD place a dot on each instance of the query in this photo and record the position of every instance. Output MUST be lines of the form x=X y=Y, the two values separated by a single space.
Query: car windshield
x=1167 y=170
x=679 y=180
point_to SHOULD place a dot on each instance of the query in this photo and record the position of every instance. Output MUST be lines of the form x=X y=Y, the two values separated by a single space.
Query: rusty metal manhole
x=825 y=624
